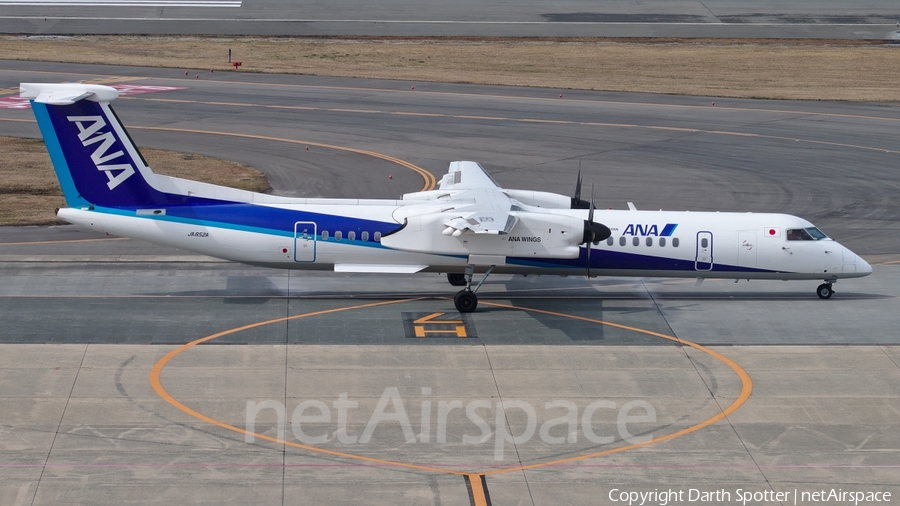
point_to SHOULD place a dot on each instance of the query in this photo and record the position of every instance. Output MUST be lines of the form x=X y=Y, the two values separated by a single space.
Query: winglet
x=66 y=93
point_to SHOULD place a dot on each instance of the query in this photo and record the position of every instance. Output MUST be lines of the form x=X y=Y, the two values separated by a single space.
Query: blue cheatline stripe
x=360 y=225
x=668 y=230
x=60 y=165
x=614 y=260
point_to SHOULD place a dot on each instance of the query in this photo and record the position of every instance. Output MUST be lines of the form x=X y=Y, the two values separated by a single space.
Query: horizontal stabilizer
x=379 y=268
x=66 y=93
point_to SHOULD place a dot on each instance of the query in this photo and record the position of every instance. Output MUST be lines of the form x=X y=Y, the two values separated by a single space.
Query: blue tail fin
x=94 y=158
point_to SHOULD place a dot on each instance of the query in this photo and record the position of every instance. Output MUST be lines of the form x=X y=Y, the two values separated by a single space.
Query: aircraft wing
x=467 y=176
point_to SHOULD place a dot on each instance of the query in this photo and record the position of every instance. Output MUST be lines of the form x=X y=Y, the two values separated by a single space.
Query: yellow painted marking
x=363 y=111
x=741 y=134
x=421 y=331
x=478 y=494
x=551 y=121
x=236 y=104
x=613 y=125
x=673 y=129
x=26 y=243
x=294 y=107
x=426 y=114
x=746 y=390
x=492 y=118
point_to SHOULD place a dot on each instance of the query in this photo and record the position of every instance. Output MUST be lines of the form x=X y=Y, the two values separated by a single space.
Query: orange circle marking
x=746 y=390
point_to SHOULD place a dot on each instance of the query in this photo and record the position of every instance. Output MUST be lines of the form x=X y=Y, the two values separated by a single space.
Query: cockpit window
x=805 y=234
x=816 y=233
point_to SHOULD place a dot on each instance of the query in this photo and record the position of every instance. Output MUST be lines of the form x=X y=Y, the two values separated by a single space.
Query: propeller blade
x=593 y=233
x=578 y=185
x=577 y=203
x=588 y=264
x=591 y=212
x=590 y=228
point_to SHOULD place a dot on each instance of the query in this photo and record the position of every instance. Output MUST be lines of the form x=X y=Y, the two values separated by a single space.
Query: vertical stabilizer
x=94 y=158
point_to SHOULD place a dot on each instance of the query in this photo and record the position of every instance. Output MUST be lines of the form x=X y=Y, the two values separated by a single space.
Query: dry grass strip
x=776 y=69
x=30 y=193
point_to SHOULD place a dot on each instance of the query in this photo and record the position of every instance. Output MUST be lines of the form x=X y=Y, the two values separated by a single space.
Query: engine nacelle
x=540 y=199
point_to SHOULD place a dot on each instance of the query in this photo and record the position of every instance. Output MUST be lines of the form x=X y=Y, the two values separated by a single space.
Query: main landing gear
x=465 y=300
x=825 y=290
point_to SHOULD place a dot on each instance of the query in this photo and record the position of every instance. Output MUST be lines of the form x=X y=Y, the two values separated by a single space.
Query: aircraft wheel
x=456 y=279
x=465 y=301
x=825 y=291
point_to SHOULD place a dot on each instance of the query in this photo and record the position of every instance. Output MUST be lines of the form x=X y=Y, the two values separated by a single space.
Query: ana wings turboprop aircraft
x=468 y=225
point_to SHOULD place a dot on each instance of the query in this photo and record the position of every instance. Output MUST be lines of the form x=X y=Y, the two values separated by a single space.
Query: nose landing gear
x=825 y=290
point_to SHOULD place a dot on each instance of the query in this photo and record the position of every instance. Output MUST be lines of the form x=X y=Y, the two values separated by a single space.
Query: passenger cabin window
x=622 y=241
x=351 y=235
x=610 y=241
x=338 y=235
x=377 y=236
x=662 y=241
x=365 y=236
x=636 y=241
x=324 y=235
x=649 y=241
x=805 y=234
x=675 y=242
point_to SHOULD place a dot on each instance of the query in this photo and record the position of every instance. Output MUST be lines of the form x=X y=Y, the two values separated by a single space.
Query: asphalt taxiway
x=756 y=386
x=810 y=19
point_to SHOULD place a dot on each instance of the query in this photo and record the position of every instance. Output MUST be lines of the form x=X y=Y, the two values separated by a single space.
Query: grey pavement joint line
x=684 y=349
x=506 y=420
x=59 y=425
x=888 y=355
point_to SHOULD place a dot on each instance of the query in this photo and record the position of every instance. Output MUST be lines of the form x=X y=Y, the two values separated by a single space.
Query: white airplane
x=468 y=225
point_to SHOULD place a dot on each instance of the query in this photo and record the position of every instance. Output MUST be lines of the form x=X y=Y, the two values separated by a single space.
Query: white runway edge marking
x=126 y=3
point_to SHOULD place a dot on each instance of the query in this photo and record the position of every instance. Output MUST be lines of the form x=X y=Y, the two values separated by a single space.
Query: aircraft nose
x=855 y=265
x=862 y=266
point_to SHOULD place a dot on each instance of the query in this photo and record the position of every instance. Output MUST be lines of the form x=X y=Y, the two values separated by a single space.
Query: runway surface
x=860 y=19
x=755 y=386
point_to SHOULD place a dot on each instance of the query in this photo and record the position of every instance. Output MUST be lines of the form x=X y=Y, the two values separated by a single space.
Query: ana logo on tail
x=88 y=126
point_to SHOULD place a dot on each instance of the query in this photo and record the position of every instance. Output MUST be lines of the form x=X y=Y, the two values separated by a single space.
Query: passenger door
x=703 y=261
x=305 y=241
